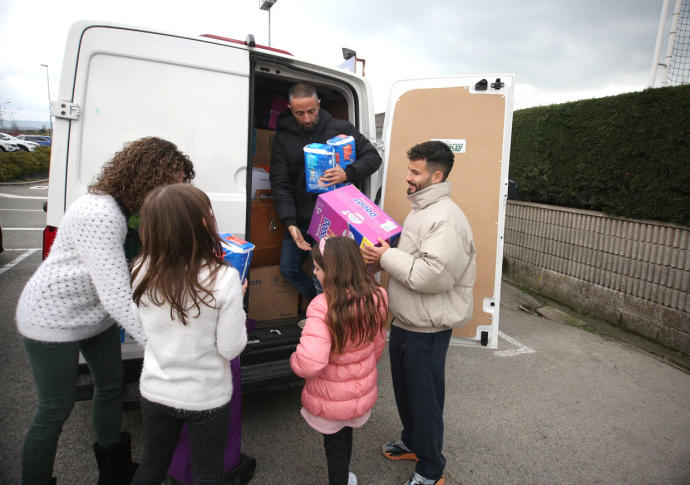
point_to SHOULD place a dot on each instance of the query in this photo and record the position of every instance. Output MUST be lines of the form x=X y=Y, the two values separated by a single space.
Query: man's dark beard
x=308 y=129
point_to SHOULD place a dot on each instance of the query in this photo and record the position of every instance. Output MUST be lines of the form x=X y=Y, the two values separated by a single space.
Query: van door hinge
x=64 y=109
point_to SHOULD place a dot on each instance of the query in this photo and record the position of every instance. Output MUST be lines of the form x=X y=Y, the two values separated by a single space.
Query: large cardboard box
x=261 y=152
x=270 y=295
x=348 y=212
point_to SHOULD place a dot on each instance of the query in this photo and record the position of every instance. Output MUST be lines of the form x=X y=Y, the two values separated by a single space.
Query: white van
x=209 y=95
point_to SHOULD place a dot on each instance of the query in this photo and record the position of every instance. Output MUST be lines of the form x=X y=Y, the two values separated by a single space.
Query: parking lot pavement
x=554 y=404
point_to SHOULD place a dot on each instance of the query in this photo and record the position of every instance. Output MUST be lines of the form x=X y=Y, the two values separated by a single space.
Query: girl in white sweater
x=190 y=305
x=72 y=303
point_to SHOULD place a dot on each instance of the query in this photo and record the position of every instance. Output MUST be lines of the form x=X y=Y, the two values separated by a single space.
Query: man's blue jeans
x=292 y=261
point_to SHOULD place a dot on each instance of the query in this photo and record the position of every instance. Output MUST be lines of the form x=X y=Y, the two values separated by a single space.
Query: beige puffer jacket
x=433 y=267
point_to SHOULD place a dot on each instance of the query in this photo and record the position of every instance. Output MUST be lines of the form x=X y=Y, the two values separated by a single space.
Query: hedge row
x=626 y=155
x=15 y=165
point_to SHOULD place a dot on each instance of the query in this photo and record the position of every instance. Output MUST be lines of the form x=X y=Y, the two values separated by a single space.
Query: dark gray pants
x=418 y=362
x=208 y=431
x=55 y=367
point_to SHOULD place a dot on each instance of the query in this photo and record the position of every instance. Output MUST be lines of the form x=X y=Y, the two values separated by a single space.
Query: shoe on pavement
x=398 y=451
x=417 y=479
x=351 y=479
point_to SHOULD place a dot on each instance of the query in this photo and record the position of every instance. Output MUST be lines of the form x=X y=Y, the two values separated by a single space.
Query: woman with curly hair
x=75 y=301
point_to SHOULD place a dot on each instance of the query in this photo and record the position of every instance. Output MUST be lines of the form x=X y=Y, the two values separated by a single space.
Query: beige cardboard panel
x=455 y=113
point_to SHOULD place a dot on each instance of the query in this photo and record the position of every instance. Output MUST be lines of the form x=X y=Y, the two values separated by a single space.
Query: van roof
x=245 y=43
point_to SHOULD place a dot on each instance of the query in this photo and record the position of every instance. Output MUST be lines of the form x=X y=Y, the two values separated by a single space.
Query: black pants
x=418 y=362
x=338 y=453
x=208 y=431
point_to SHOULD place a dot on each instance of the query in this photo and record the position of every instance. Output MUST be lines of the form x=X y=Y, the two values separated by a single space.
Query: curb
x=24 y=182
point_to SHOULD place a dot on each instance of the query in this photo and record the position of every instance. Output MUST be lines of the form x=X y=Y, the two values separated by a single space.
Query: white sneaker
x=351 y=479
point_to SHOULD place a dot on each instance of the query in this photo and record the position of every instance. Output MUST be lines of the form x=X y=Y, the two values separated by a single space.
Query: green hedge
x=626 y=155
x=14 y=165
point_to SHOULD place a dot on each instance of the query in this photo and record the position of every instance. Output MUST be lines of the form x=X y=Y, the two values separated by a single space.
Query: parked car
x=8 y=146
x=40 y=139
x=27 y=146
x=1 y=247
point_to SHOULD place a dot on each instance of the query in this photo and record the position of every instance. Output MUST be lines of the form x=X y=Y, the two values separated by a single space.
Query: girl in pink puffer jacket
x=341 y=342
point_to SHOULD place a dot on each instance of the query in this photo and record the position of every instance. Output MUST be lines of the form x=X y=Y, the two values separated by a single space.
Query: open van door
x=120 y=84
x=473 y=115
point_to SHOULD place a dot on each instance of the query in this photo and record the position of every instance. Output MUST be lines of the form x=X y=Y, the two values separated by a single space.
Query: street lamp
x=266 y=5
x=48 y=83
x=2 y=110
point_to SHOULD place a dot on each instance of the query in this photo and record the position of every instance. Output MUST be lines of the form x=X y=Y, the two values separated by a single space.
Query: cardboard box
x=317 y=159
x=237 y=253
x=348 y=212
x=271 y=297
x=261 y=147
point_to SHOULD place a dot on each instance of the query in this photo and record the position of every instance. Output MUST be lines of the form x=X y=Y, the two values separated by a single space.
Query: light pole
x=2 y=111
x=48 y=83
x=266 y=5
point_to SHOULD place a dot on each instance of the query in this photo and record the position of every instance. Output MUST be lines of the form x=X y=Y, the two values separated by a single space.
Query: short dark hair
x=437 y=155
x=302 y=90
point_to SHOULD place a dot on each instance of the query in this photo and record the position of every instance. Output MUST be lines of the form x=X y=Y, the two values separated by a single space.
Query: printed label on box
x=237 y=252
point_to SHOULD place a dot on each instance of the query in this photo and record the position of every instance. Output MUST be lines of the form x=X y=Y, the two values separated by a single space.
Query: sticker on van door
x=456 y=146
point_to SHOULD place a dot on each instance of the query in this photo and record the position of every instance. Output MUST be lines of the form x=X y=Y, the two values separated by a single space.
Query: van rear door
x=476 y=123
x=130 y=83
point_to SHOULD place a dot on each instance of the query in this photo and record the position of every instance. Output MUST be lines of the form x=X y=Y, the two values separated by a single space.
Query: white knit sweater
x=188 y=366
x=83 y=285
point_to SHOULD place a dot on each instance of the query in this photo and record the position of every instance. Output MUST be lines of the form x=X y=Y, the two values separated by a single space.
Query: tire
x=24 y=148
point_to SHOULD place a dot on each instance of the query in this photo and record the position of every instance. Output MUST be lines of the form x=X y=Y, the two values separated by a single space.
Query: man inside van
x=306 y=122
x=432 y=272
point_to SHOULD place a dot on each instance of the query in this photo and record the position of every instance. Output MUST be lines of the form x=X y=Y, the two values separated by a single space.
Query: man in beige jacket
x=432 y=272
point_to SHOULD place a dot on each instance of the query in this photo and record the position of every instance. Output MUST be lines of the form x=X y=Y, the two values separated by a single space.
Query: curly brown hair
x=138 y=168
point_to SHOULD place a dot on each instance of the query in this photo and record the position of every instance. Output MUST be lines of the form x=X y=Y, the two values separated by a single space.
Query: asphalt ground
x=555 y=404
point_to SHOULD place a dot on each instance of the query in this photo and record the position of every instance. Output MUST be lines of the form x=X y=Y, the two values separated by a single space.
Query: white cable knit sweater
x=83 y=285
x=188 y=366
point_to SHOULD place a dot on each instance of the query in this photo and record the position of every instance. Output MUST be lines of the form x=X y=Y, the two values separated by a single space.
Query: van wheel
x=24 y=149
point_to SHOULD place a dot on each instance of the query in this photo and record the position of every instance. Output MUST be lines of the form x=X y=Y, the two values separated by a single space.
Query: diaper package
x=317 y=159
x=344 y=151
x=348 y=212
x=237 y=253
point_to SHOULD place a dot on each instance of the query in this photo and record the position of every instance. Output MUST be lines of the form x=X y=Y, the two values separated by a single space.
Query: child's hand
x=245 y=283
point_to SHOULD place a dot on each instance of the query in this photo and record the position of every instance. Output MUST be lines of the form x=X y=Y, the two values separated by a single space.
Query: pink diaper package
x=348 y=212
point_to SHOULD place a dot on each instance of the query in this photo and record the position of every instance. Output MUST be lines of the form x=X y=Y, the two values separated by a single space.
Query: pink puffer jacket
x=338 y=387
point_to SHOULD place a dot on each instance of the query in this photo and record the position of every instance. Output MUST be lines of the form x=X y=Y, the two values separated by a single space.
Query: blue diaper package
x=344 y=150
x=237 y=252
x=317 y=159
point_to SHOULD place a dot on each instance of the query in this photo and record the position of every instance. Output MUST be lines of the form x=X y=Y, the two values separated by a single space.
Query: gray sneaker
x=397 y=451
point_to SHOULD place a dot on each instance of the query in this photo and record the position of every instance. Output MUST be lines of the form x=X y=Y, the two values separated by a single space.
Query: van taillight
x=49 y=234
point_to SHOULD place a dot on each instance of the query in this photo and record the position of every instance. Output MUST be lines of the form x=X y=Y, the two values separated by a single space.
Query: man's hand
x=333 y=176
x=245 y=283
x=298 y=238
x=372 y=254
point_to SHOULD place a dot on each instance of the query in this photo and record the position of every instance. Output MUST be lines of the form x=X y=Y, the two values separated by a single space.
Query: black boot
x=115 y=465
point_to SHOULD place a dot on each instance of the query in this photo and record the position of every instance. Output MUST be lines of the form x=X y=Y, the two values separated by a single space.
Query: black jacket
x=294 y=204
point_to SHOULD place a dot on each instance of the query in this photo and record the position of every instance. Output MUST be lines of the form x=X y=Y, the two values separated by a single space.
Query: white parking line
x=17 y=260
x=23 y=249
x=520 y=348
x=23 y=228
x=23 y=210
x=12 y=196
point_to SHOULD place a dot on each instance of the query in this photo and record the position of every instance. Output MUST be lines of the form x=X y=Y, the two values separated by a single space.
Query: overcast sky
x=559 y=50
